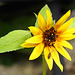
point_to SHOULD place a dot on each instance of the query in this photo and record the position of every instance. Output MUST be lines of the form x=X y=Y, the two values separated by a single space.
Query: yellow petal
x=66 y=44
x=35 y=30
x=37 y=51
x=50 y=60
x=66 y=37
x=46 y=51
x=49 y=19
x=28 y=45
x=42 y=22
x=62 y=19
x=35 y=39
x=55 y=56
x=65 y=26
x=62 y=51
x=69 y=31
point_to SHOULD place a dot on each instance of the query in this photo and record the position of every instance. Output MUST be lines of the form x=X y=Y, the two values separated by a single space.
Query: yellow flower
x=51 y=40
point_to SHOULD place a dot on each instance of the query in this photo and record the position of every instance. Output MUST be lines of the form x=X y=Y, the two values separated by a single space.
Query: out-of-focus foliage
x=73 y=23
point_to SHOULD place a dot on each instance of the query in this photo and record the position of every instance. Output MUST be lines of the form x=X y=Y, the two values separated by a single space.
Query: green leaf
x=43 y=13
x=36 y=24
x=35 y=15
x=73 y=23
x=13 y=40
x=53 y=22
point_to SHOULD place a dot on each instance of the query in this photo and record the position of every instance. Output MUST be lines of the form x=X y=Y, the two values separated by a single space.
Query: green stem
x=44 y=64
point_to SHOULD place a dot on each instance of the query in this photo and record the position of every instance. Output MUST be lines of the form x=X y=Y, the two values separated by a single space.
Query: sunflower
x=51 y=40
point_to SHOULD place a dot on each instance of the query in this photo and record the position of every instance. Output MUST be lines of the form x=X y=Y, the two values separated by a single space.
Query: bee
x=49 y=55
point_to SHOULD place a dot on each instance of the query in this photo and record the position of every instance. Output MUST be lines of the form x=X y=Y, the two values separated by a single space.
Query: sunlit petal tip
x=30 y=27
x=69 y=31
x=37 y=51
x=35 y=30
x=48 y=60
x=62 y=69
x=62 y=51
x=39 y=15
x=66 y=44
x=62 y=19
x=28 y=45
x=65 y=26
x=35 y=39
x=41 y=22
x=49 y=19
x=71 y=48
x=22 y=45
x=30 y=58
x=56 y=58
x=71 y=19
x=70 y=59
x=69 y=12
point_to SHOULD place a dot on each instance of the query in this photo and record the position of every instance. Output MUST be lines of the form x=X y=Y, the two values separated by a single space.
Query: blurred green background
x=18 y=15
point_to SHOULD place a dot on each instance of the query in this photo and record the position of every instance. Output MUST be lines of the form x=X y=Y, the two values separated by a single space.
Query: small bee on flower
x=49 y=55
x=51 y=39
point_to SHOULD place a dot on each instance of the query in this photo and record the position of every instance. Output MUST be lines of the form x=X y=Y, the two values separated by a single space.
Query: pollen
x=49 y=37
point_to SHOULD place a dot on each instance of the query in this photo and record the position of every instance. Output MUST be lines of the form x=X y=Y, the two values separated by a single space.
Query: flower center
x=49 y=37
